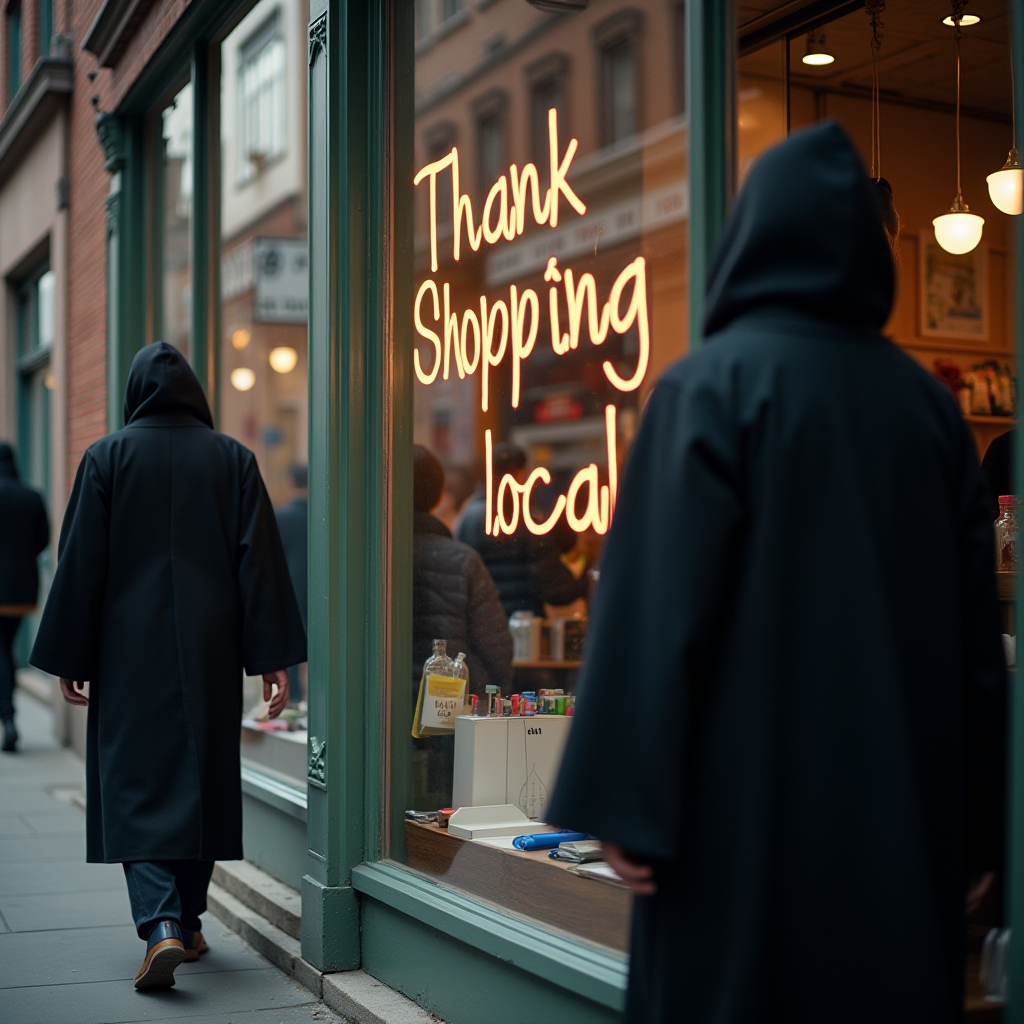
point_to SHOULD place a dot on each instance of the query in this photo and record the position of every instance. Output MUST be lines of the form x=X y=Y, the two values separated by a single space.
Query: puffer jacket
x=454 y=599
x=527 y=570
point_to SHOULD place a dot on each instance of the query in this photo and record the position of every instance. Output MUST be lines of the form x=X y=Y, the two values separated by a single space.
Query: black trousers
x=8 y=628
x=167 y=890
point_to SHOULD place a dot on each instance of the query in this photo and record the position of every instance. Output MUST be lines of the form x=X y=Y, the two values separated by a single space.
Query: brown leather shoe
x=164 y=952
x=194 y=945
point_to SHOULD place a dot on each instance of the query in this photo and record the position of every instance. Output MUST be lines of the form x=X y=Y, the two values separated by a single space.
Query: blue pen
x=547 y=840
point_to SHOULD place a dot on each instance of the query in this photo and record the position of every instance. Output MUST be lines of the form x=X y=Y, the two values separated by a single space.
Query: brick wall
x=87 y=279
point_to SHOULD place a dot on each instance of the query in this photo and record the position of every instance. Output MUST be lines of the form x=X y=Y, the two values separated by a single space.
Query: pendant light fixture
x=817 y=52
x=1006 y=186
x=958 y=231
x=874 y=9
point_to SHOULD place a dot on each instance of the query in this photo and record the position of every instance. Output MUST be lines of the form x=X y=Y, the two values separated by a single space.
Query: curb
x=239 y=894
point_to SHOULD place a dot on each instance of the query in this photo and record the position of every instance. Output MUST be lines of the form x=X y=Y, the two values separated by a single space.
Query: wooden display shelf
x=1007 y=421
x=528 y=883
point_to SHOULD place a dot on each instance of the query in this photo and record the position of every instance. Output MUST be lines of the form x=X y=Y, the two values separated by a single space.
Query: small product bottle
x=492 y=699
x=460 y=670
x=439 y=664
x=1006 y=534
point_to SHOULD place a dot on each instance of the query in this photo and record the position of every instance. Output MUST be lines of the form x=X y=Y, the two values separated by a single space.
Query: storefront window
x=176 y=221
x=549 y=293
x=263 y=380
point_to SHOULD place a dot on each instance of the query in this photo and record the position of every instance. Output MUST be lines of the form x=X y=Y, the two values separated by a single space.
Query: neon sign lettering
x=480 y=342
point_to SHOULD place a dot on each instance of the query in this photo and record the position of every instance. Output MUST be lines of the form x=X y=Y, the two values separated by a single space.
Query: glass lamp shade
x=1006 y=186
x=958 y=231
x=243 y=378
x=283 y=358
x=817 y=54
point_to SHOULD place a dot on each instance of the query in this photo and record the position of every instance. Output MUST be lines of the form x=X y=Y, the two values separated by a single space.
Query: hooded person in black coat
x=171 y=580
x=24 y=534
x=800 y=572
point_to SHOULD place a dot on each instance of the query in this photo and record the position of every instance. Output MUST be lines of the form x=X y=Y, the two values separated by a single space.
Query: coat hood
x=161 y=383
x=805 y=235
x=8 y=466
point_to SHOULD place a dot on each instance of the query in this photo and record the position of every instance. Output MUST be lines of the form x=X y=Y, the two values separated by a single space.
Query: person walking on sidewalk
x=24 y=534
x=171 y=580
x=800 y=576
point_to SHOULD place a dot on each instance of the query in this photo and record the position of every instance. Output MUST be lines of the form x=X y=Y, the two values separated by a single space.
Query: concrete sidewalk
x=68 y=950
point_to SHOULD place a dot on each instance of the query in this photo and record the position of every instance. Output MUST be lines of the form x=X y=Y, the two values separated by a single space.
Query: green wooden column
x=121 y=139
x=1015 y=852
x=347 y=365
x=710 y=84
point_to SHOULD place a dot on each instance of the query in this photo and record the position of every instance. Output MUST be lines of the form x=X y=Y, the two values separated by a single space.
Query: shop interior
x=613 y=76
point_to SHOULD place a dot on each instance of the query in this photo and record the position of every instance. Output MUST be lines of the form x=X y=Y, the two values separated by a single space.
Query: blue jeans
x=8 y=627
x=167 y=890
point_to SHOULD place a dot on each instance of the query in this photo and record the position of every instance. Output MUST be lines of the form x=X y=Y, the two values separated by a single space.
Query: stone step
x=274 y=901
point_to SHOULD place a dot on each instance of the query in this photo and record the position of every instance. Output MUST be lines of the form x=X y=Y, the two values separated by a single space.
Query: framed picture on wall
x=954 y=292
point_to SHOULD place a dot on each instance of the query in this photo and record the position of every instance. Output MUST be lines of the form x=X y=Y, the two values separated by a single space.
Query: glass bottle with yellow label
x=442 y=694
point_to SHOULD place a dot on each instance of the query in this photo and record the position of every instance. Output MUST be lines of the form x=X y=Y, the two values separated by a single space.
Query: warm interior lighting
x=240 y=339
x=958 y=231
x=817 y=54
x=283 y=359
x=49 y=382
x=243 y=378
x=1006 y=186
x=966 y=20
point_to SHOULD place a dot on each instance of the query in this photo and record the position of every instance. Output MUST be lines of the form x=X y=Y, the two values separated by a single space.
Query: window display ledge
x=576 y=966
x=284 y=797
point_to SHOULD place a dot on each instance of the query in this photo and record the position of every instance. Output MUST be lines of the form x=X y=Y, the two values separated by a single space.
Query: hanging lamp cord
x=958 y=13
x=875 y=9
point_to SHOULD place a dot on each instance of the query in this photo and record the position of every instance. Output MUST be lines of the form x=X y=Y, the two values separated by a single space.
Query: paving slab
x=31 y=876
x=114 y=953
x=68 y=949
x=43 y=848
x=40 y=913
x=117 y=1002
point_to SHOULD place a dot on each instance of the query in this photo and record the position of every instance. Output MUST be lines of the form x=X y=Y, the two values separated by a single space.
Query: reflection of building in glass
x=264 y=271
x=177 y=203
x=486 y=78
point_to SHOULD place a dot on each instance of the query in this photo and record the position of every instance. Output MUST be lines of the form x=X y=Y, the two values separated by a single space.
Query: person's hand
x=72 y=694
x=637 y=875
x=277 y=701
x=977 y=887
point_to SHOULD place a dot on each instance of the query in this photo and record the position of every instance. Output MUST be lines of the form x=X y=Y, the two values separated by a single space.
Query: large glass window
x=262 y=386
x=549 y=293
x=174 y=179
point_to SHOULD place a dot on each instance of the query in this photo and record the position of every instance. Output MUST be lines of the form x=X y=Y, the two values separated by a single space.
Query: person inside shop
x=807 y=776
x=528 y=570
x=997 y=469
x=171 y=581
x=24 y=535
x=453 y=599
x=293 y=524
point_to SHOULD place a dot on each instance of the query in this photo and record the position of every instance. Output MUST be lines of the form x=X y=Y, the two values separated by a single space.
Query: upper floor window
x=489 y=112
x=618 y=42
x=546 y=82
x=438 y=141
x=45 y=26
x=451 y=8
x=13 y=50
x=261 y=99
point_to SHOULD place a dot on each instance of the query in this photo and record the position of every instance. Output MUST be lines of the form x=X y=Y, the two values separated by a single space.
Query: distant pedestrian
x=293 y=522
x=171 y=580
x=790 y=727
x=24 y=534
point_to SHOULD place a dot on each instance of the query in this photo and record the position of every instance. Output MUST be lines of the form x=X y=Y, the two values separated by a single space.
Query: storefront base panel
x=274 y=840
x=457 y=982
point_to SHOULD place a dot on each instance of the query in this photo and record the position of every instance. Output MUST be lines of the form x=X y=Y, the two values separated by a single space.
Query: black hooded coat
x=24 y=534
x=799 y=583
x=171 y=578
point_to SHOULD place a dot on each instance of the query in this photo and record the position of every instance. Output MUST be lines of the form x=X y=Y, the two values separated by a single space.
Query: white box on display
x=492 y=821
x=508 y=761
